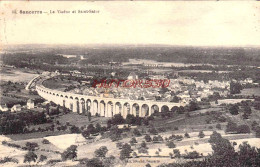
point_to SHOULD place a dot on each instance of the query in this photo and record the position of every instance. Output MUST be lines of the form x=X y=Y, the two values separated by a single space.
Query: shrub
x=31 y=146
x=4 y=142
x=171 y=144
x=146 y=122
x=136 y=132
x=177 y=153
x=257 y=132
x=178 y=137
x=42 y=158
x=115 y=133
x=155 y=139
x=133 y=141
x=29 y=157
x=125 y=152
x=53 y=161
x=208 y=120
x=7 y=159
x=85 y=134
x=148 y=165
x=192 y=155
x=153 y=131
x=45 y=141
x=234 y=109
x=94 y=162
x=134 y=155
x=74 y=129
x=162 y=129
x=218 y=126
x=69 y=153
x=254 y=125
x=109 y=161
x=142 y=150
x=101 y=152
x=148 y=138
x=159 y=137
x=201 y=134
x=171 y=155
x=210 y=127
x=243 y=129
x=143 y=144
x=119 y=145
x=187 y=135
x=231 y=127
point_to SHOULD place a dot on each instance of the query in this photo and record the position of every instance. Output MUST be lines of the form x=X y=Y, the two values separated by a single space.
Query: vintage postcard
x=130 y=84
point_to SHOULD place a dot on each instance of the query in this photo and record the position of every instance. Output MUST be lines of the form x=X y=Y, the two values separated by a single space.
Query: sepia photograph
x=129 y=84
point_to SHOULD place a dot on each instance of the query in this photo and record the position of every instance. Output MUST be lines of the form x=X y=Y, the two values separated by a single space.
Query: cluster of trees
x=69 y=153
x=155 y=139
x=31 y=146
x=13 y=123
x=224 y=154
x=91 y=129
x=232 y=127
x=235 y=74
x=11 y=86
x=170 y=144
x=235 y=88
x=115 y=133
x=143 y=148
x=8 y=159
x=192 y=155
x=245 y=108
x=175 y=137
x=179 y=110
x=100 y=159
x=234 y=109
x=255 y=127
x=214 y=116
x=125 y=151
x=130 y=119
x=33 y=61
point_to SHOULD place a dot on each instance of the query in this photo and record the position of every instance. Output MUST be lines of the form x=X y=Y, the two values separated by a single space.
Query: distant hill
x=99 y=54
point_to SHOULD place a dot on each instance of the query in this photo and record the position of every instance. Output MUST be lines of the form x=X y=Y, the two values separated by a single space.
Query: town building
x=3 y=108
x=132 y=76
x=30 y=104
x=16 y=107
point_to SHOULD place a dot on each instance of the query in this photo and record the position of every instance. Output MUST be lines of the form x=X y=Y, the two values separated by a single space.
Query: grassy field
x=58 y=83
x=72 y=118
x=81 y=120
x=86 y=150
x=60 y=140
x=16 y=74
x=14 y=97
x=250 y=92
x=231 y=101
x=196 y=121
x=7 y=100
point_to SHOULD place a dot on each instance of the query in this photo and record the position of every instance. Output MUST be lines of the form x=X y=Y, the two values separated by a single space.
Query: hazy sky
x=175 y=23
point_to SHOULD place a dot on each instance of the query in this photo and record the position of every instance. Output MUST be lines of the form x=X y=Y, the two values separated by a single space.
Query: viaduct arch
x=106 y=107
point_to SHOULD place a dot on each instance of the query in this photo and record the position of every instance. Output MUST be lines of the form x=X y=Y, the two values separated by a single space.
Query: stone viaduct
x=106 y=107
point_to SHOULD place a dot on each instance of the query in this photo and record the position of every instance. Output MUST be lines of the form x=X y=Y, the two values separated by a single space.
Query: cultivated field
x=86 y=149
